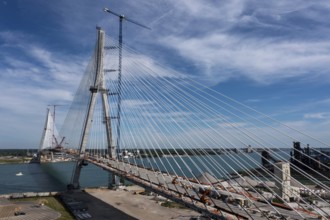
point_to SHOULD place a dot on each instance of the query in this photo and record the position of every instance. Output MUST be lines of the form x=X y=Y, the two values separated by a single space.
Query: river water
x=55 y=176
x=46 y=177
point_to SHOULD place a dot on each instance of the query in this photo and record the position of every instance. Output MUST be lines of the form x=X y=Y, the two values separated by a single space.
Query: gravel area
x=138 y=206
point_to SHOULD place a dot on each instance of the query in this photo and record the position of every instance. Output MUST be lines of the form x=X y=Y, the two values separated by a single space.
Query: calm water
x=46 y=177
x=55 y=176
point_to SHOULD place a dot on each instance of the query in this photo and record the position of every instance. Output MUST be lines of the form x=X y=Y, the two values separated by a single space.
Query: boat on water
x=19 y=174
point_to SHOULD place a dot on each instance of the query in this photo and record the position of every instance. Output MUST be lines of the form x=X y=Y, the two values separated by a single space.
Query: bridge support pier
x=113 y=181
x=76 y=175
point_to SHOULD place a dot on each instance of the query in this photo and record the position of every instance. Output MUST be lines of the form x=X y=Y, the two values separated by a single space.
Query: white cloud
x=224 y=39
x=224 y=56
x=63 y=68
x=33 y=77
x=323 y=102
x=320 y=115
x=229 y=10
x=260 y=41
x=253 y=100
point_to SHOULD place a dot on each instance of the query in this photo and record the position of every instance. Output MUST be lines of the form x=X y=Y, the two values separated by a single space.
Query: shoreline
x=14 y=160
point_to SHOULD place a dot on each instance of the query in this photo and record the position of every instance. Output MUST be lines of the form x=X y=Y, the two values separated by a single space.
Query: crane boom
x=125 y=18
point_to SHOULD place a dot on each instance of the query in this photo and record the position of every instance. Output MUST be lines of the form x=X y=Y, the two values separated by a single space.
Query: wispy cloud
x=321 y=115
x=28 y=60
x=265 y=42
x=223 y=56
x=252 y=100
x=33 y=77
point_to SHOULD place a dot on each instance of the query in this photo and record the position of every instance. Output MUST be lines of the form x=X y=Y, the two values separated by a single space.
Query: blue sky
x=271 y=55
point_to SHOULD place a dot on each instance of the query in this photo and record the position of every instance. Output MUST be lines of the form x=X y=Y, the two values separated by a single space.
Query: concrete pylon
x=98 y=87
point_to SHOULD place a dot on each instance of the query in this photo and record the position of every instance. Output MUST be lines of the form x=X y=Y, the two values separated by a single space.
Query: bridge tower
x=98 y=87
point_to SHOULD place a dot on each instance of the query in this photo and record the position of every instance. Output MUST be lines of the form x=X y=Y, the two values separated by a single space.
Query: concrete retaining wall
x=28 y=195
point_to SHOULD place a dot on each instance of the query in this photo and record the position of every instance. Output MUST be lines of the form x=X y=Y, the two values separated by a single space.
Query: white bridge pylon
x=98 y=87
x=49 y=135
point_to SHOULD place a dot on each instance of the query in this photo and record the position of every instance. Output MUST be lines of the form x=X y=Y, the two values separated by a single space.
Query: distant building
x=249 y=149
x=283 y=183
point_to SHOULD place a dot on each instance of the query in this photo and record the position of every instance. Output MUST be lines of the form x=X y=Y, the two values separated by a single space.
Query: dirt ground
x=126 y=204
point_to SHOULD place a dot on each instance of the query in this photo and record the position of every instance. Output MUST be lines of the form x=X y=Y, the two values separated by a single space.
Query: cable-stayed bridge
x=167 y=132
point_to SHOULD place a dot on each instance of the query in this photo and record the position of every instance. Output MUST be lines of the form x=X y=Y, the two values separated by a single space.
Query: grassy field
x=51 y=202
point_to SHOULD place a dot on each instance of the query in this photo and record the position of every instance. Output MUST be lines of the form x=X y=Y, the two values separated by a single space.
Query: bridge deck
x=186 y=192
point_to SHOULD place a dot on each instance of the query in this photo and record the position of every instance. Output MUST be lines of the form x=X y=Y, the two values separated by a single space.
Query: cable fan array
x=175 y=126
